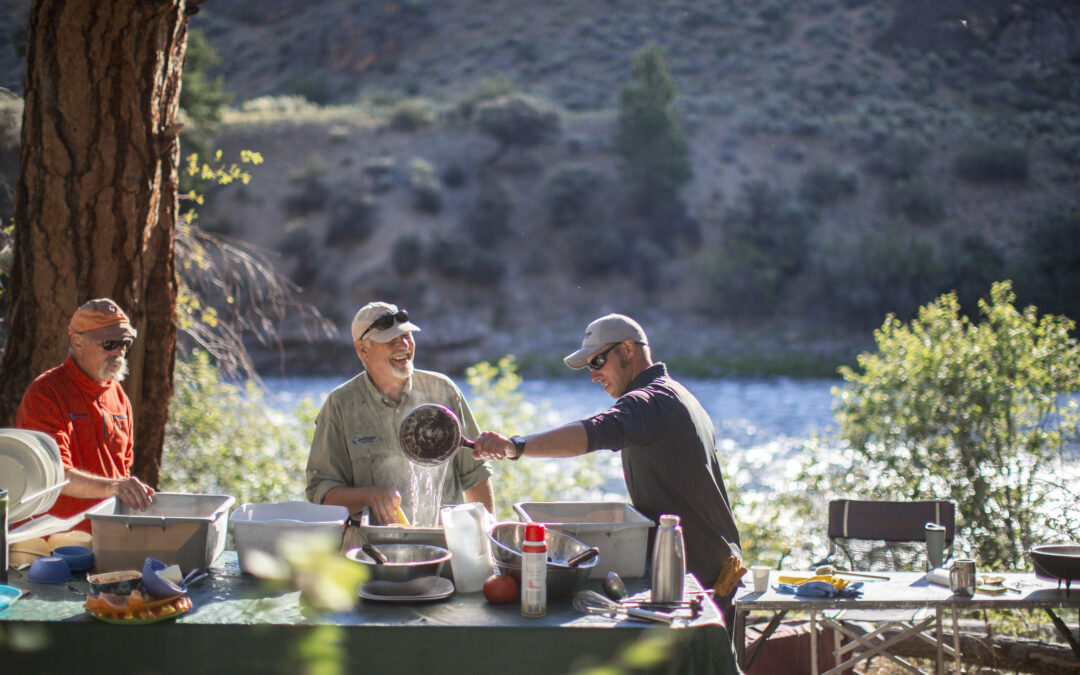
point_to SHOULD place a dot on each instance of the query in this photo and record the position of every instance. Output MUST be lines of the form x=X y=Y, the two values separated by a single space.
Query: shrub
x=826 y=185
x=412 y=114
x=740 y=280
x=917 y=201
x=426 y=191
x=900 y=157
x=992 y=163
x=770 y=222
x=485 y=90
x=570 y=197
x=407 y=254
x=599 y=251
x=487 y=217
x=460 y=260
x=311 y=190
x=517 y=120
x=352 y=220
x=300 y=243
x=222 y=439
x=973 y=412
x=1048 y=267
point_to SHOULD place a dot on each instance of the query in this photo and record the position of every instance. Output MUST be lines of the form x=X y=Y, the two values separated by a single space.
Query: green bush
x=739 y=279
x=487 y=217
x=899 y=158
x=457 y=259
x=771 y=223
x=916 y=201
x=993 y=163
x=973 y=412
x=1048 y=266
x=485 y=90
x=407 y=254
x=353 y=220
x=599 y=251
x=311 y=191
x=222 y=439
x=517 y=120
x=825 y=185
x=426 y=190
x=570 y=197
x=970 y=266
x=412 y=114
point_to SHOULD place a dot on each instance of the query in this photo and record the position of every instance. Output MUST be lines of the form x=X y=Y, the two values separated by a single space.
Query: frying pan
x=430 y=434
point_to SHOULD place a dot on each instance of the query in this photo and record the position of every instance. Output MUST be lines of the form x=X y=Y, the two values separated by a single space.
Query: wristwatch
x=519 y=447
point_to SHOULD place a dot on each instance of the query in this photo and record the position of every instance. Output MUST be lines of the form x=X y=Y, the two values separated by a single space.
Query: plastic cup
x=761 y=578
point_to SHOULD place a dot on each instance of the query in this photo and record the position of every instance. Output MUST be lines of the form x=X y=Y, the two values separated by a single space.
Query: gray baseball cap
x=604 y=331
x=381 y=312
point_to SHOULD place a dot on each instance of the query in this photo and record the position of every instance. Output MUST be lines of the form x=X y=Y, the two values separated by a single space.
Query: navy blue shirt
x=669 y=462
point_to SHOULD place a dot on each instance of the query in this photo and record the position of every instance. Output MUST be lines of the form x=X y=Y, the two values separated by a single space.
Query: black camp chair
x=883 y=536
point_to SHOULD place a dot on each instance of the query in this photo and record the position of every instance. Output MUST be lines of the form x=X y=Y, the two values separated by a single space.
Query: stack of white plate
x=29 y=465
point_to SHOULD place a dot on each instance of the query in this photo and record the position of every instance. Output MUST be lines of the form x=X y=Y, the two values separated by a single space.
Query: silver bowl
x=405 y=562
x=562 y=581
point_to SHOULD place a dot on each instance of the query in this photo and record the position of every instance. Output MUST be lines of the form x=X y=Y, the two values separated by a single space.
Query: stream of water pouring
x=425 y=494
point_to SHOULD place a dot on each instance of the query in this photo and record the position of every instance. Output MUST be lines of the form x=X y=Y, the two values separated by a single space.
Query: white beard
x=114 y=368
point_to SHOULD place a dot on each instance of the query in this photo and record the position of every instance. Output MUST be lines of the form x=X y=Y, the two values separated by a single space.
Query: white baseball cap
x=382 y=322
x=605 y=331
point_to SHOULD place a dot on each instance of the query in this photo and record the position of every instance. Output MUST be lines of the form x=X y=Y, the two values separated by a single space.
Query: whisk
x=591 y=602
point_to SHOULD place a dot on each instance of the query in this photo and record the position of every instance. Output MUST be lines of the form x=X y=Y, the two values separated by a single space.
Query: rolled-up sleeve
x=328 y=463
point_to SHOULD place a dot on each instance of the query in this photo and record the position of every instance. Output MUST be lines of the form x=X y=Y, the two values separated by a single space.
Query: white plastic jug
x=466 y=537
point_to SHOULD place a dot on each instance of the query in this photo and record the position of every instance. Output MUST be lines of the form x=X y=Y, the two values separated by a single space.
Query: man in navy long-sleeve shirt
x=665 y=437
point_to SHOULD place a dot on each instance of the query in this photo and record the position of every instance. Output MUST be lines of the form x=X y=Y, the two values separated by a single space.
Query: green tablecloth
x=238 y=624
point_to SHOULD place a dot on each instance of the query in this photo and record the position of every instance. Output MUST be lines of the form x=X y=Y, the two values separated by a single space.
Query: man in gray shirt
x=665 y=437
x=356 y=459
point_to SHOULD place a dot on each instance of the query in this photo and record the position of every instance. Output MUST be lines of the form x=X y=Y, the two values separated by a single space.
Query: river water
x=761 y=423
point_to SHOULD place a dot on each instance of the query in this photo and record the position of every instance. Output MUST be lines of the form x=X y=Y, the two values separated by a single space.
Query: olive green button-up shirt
x=356 y=443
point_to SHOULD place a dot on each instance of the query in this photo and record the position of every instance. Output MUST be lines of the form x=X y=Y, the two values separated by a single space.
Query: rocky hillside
x=850 y=158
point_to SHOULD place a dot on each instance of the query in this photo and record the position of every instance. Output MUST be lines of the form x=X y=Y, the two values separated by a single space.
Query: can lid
x=534 y=532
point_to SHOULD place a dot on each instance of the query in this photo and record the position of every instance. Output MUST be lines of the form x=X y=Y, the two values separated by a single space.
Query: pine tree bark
x=96 y=201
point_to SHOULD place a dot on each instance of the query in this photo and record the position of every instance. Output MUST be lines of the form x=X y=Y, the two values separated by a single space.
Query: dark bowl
x=405 y=562
x=79 y=558
x=1059 y=562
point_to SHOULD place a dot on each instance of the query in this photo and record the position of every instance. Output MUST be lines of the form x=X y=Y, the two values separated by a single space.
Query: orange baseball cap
x=101 y=319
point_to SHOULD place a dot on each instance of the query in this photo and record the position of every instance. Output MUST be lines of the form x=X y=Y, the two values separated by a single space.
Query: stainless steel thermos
x=668 y=561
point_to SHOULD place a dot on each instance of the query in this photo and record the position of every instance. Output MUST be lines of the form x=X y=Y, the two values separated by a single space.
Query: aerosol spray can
x=668 y=562
x=534 y=571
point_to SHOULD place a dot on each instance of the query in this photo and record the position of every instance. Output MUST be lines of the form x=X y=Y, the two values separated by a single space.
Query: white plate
x=442 y=588
x=12 y=479
x=34 y=462
x=48 y=454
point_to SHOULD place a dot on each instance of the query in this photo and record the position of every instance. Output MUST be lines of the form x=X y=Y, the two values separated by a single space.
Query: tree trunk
x=96 y=203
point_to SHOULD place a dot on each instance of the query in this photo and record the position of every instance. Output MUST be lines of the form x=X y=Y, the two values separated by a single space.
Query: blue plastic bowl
x=50 y=569
x=79 y=558
x=157 y=585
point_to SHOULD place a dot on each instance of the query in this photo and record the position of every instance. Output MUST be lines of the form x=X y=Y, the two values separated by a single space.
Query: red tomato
x=501 y=589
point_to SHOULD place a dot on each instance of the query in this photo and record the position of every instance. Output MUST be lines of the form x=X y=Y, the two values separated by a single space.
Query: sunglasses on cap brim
x=385 y=321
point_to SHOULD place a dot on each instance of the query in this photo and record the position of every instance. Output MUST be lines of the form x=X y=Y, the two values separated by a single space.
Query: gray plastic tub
x=178 y=529
x=619 y=530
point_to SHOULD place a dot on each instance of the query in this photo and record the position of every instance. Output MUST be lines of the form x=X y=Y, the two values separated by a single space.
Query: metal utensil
x=591 y=602
x=829 y=569
x=430 y=434
x=378 y=556
x=29 y=498
x=614 y=587
x=583 y=557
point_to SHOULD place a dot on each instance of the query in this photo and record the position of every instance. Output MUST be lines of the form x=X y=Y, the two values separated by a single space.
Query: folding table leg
x=813 y=643
x=956 y=642
x=940 y=663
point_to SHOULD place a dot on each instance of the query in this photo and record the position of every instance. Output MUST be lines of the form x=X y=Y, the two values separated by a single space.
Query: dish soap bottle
x=668 y=562
x=534 y=571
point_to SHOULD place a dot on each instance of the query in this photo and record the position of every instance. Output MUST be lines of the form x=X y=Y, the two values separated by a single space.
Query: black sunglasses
x=385 y=321
x=600 y=359
x=113 y=345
